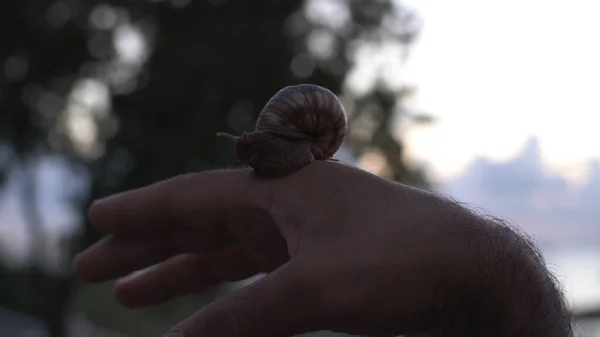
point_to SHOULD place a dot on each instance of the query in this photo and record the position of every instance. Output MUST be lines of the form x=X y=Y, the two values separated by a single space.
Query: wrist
x=516 y=295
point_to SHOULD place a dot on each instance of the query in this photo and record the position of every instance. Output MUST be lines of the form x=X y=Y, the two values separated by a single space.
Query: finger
x=191 y=199
x=280 y=304
x=116 y=256
x=119 y=255
x=183 y=275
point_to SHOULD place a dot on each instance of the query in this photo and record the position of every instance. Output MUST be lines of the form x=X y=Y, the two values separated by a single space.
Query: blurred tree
x=129 y=93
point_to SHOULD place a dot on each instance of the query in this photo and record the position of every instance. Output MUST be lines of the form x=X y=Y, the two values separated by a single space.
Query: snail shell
x=299 y=124
x=309 y=111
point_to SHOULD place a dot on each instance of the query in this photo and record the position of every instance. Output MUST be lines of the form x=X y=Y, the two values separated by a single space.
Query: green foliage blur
x=126 y=93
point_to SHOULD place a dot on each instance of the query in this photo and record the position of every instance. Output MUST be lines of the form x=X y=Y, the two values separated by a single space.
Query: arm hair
x=520 y=297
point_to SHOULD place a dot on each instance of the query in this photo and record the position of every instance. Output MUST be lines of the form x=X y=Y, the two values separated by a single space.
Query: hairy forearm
x=517 y=295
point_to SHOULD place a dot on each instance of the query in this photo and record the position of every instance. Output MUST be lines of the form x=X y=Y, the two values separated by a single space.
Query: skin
x=344 y=250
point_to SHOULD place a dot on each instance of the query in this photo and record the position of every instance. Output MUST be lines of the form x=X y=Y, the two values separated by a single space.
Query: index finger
x=204 y=197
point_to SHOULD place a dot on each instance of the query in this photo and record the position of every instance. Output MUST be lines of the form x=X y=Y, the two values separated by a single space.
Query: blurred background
x=494 y=103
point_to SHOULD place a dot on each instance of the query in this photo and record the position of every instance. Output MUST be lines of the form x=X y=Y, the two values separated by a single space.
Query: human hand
x=345 y=250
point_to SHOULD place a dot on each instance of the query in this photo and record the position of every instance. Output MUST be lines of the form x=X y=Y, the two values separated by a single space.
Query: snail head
x=248 y=143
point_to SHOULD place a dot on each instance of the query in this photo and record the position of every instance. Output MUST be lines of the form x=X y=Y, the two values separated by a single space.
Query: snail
x=298 y=125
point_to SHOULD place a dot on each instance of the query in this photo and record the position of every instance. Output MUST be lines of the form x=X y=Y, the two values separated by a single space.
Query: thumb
x=282 y=303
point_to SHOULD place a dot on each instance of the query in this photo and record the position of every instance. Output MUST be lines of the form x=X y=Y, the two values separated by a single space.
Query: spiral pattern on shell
x=306 y=111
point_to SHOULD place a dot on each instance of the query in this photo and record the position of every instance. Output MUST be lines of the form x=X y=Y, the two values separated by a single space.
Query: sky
x=54 y=182
x=497 y=72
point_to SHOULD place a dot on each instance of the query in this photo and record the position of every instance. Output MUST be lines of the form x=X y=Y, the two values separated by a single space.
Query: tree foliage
x=132 y=92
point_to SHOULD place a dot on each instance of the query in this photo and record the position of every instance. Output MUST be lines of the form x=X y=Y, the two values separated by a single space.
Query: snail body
x=298 y=125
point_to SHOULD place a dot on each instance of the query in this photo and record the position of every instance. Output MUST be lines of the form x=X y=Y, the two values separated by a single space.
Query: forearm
x=518 y=296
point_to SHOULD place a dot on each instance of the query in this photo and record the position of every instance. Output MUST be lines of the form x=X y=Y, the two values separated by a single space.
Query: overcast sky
x=501 y=73
x=498 y=72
